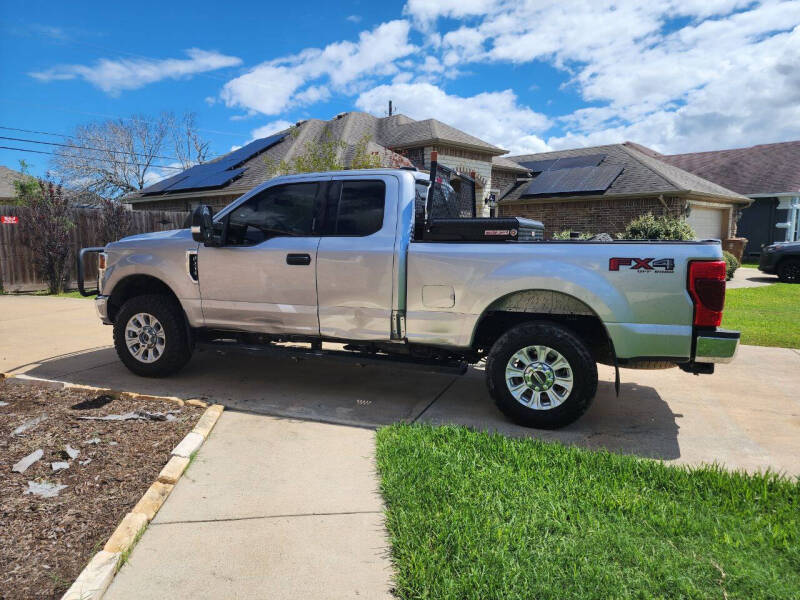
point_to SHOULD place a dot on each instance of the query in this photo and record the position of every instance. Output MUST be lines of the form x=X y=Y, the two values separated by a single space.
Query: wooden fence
x=16 y=264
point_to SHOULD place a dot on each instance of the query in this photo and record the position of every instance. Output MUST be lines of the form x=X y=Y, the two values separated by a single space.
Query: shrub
x=46 y=226
x=565 y=235
x=731 y=264
x=649 y=227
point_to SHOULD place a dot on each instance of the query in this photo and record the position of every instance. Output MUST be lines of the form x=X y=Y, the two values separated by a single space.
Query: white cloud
x=426 y=11
x=680 y=75
x=268 y=129
x=113 y=76
x=495 y=117
x=353 y=18
x=275 y=85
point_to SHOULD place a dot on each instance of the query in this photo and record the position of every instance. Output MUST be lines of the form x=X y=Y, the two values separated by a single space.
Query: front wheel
x=789 y=270
x=541 y=375
x=150 y=336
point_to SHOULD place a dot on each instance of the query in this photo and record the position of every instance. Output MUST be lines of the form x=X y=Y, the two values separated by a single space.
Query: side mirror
x=204 y=230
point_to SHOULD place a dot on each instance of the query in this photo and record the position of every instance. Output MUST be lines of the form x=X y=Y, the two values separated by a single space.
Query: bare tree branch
x=119 y=156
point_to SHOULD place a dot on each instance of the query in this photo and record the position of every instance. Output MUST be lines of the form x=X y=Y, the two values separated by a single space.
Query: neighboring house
x=602 y=188
x=769 y=174
x=398 y=139
x=7 y=178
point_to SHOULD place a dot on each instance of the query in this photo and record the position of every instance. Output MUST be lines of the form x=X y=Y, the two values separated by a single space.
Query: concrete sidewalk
x=270 y=508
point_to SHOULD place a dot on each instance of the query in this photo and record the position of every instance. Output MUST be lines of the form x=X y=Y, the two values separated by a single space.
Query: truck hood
x=172 y=234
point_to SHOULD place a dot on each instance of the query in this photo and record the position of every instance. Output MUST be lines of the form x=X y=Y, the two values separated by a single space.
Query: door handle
x=298 y=259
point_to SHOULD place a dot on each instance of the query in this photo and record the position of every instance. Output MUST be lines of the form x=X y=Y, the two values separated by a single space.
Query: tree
x=119 y=156
x=46 y=226
x=115 y=220
x=327 y=154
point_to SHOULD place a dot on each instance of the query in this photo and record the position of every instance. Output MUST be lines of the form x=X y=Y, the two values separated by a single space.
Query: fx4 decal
x=661 y=265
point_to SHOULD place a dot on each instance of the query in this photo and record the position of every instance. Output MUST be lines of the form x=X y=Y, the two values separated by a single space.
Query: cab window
x=286 y=210
x=355 y=208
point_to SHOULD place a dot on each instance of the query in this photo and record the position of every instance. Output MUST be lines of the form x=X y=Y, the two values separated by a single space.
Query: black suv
x=782 y=259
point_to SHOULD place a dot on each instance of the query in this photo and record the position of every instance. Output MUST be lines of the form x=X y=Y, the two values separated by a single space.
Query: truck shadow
x=639 y=422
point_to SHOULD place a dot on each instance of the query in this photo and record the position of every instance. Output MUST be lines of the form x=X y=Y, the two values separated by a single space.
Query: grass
x=69 y=294
x=475 y=515
x=753 y=264
x=766 y=316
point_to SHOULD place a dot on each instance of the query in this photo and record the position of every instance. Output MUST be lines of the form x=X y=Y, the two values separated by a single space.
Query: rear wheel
x=150 y=336
x=541 y=375
x=789 y=270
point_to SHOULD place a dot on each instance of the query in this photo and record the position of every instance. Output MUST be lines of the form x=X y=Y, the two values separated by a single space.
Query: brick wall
x=501 y=179
x=593 y=216
x=215 y=202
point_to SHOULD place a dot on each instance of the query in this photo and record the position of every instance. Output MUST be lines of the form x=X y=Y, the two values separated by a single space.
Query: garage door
x=707 y=222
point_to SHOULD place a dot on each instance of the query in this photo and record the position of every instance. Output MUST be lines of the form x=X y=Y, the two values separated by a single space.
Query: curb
x=97 y=575
x=93 y=581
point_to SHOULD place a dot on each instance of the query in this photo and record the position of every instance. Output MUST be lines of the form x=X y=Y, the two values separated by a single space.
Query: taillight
x=101 y=260
x=707 y=288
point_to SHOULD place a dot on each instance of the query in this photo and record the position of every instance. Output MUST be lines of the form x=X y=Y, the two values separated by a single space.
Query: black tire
x=176 y=351
x=563 y=341
x=789 y=270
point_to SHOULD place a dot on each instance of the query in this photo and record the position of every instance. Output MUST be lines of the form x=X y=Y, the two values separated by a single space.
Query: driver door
x=264 y=278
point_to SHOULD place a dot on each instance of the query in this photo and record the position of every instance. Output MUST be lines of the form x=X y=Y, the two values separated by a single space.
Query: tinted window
x=281 y=210
x=360 y=208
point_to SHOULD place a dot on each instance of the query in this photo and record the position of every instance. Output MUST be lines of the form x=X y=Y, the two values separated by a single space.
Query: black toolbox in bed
x=496 y=229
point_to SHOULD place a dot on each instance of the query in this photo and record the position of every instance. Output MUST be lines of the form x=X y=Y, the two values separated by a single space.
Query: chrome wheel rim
x=145 y=337
x=539 y=377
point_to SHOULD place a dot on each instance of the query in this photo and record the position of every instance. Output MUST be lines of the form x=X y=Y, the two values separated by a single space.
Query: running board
x=401 y=362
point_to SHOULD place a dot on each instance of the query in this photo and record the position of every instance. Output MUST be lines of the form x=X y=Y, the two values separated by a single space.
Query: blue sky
x=677 y=75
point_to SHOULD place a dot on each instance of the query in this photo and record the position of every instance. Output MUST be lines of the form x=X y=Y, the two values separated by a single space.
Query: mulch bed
x=46 y=542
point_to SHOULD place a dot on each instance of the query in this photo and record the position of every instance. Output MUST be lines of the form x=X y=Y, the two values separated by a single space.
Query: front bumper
x=101 y=305
x=717 y=346
x=766 y=262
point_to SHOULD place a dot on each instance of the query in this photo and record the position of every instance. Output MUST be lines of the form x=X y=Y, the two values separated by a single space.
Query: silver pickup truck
x=345 y=258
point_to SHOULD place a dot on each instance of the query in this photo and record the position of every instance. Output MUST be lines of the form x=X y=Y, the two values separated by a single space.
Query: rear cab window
x=355 y=207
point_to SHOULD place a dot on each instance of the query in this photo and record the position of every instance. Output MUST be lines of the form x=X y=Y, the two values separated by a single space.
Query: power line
x=116 y=162
x=105 y=116
x=64 y=135
x=13 y=139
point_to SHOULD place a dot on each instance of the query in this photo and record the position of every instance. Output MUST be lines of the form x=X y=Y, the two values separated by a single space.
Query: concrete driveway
x=748 y=277
x=746 y=416
x=282 y=501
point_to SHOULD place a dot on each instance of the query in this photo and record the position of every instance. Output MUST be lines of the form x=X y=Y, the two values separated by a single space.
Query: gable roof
x=506 y=164
x=7 y=179
x=641 y=174
x=762 y=169
x=432 y=131
x=386 y=133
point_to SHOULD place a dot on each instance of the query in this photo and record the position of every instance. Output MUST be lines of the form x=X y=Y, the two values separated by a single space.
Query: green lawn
x=474 y=515
x=70 y=294
x=766 y=316
x=753 y=264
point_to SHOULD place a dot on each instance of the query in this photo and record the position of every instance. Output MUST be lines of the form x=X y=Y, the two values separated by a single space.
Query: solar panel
x=573 y=181
x=165 y=183
x=537 y=166
x=216 y=173
x=215 y=179
x=568 y=162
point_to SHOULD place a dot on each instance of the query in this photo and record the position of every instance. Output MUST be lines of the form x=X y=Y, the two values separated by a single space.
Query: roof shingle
x=641 y=174
x=762 y=169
